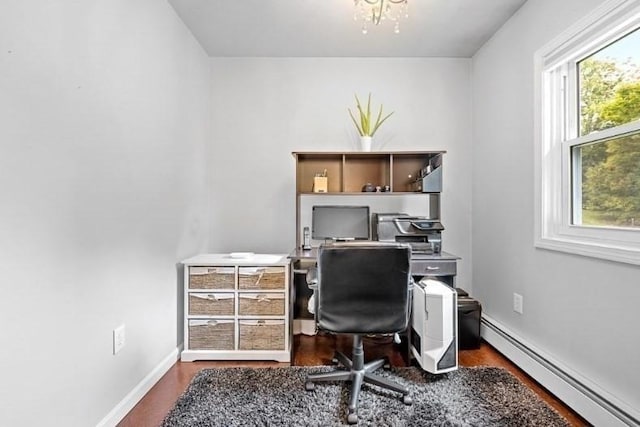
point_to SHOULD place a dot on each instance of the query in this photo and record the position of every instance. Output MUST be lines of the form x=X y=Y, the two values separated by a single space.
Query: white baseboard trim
x=134 y=396
x=579 y=393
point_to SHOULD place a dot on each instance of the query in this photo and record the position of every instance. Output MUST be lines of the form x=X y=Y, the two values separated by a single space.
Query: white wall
x=265 y=108
x=104 y=115
x=581 y=311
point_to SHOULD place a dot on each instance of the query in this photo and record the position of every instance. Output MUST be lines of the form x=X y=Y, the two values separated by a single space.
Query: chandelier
x=375 y=11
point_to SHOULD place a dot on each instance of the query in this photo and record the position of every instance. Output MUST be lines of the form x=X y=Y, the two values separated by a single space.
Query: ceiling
x=319 y=28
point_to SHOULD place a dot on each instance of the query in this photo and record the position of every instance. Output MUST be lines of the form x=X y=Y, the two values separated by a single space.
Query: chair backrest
x=363 y=287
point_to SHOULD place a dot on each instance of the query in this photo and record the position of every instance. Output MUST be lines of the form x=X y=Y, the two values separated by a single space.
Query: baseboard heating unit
x=580 y=394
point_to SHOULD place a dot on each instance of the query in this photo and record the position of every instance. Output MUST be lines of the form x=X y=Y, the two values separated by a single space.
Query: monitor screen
x=340 y=223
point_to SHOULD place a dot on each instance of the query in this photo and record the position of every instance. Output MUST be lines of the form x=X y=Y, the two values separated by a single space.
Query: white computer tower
x=434 y=326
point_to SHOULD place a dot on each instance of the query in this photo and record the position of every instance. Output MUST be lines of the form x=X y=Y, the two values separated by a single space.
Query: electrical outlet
x=118 y=338
x=518 y=301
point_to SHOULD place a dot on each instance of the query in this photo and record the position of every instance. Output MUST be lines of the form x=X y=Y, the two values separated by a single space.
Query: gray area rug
x=482 y=396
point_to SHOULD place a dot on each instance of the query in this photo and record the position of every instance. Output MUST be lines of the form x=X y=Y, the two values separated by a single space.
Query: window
x=588 y=136
x=606 y=171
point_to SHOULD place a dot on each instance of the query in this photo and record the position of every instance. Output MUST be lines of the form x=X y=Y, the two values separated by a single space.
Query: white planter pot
x=365 y=143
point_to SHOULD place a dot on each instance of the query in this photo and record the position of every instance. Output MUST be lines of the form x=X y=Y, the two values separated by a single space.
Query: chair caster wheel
x=352 y=418
x=309 y=386
x=407 y=400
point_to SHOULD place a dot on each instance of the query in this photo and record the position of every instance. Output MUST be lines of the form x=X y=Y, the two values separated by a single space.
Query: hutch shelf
x=348 y=172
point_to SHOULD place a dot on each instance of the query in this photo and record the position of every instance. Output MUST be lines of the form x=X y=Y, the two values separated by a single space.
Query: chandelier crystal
x=376 y=11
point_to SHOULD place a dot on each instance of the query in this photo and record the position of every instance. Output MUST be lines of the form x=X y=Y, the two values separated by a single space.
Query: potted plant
x=366 y=126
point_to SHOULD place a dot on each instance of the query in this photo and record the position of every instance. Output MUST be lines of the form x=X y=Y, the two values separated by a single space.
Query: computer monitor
x=340 y=223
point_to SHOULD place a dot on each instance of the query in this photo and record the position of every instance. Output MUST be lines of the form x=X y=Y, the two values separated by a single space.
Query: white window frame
x=555 y=133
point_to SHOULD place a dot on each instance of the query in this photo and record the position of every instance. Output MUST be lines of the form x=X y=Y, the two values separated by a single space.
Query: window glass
x=609 y=83
x=606 y=173
x=607 y=181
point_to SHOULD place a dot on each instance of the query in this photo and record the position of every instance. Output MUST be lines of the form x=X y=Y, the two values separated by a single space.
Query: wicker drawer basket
x=261 y=334
x=261 y=278
x=218 y=304
x=211 y=334
x=271 y=304
x=212 y=278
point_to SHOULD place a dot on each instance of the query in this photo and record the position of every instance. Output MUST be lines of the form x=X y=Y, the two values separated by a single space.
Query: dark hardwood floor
x=313 y=351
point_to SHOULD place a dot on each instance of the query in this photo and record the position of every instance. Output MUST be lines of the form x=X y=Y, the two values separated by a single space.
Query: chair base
x=358 y=372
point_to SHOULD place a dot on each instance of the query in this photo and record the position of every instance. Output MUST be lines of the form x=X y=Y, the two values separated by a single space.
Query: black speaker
x=469 y=313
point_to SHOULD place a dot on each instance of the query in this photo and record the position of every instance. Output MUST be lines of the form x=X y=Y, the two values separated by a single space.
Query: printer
x=423 y=234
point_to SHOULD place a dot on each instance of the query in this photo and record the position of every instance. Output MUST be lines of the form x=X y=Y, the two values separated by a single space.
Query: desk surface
x=300 y=255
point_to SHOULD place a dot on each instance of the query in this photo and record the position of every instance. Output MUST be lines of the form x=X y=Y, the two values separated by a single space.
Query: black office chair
x=362 y=288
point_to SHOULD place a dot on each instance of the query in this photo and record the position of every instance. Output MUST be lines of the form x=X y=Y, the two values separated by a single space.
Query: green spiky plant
x=365 y=125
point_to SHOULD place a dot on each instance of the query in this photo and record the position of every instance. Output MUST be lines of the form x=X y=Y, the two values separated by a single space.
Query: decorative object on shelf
x=240 y=255
x=368 y=188
x=365 y=143
x=375 y=11
x=320 y=182
x=365 y=126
